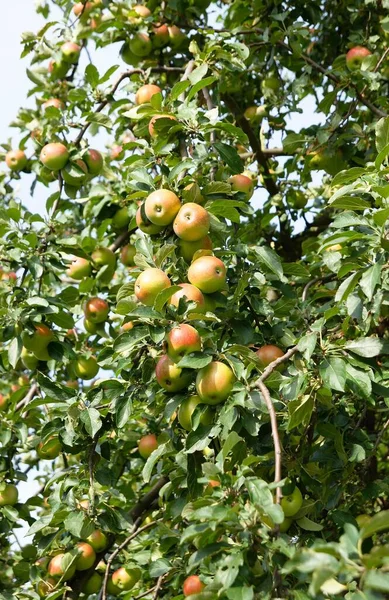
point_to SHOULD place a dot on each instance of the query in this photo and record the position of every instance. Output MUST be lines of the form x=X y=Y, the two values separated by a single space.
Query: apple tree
x=194 y=332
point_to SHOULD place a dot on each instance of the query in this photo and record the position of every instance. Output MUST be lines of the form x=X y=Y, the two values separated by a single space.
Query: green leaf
x=346 y=287
x=333 y=373
x=348 y=176
x=199 y=73
x=300 y=411
x=271 y=260
x=152 y=460
x=308 y=525
x=379 y=522
x=164 y=296
x=368 y=347
x=381 y=156
x=178 y=89
x=92 y=75
x=58 y=392
x=222 y=208
x=307 y=345
x=382 y=133
x=78 y=524
x=126 y=341
x=240 y=593
x=14 y=351
x=123 y=409
x=230 y=155
x=375 y=580
x=40 y=524
x=195 y=360
x=359 y=382
x=92 y=421
x=199 y=86
x=351 y=203
x=370 y=279
x=159 y=567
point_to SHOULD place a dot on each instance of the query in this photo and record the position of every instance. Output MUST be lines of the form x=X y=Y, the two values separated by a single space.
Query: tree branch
x=28 y=397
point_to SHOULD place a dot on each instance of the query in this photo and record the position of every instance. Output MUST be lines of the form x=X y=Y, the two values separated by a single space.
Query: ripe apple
x=98 y=540
x=147 y=444
x=267 y=354
x=145 y=93
x=86 y=556
x=162 y=206
x=186 y=410
x=161 y=36
x=192 y=222
x=125 y=578
x=140 y=10
x=176 y=36
x=355 y=57
x=85 y=368
x=3 y=402
x=291 y=504
x=39 y=340
x=188 y=249
x=208 y=273
x=54 y=156
x=192 y=585
x=16 y=160
x=79 y=268
x=127 y=255
x=171 y=377
x=45 y=587
x=75 y=173
x=141 y=45
x=182 y=340
x=121 y=218
x=191 y=294
x=55 y=102
x=214 y=382
x=57 y=569
x=9 y=495
x=96 y=310
x=29 y=360
x=94 y=161
x=242 y=183
x=70 y=52
x=82 y=9
x=146 y=226
x=49 y=449
x=152 y=130
x=149 y=284
x=93 y=585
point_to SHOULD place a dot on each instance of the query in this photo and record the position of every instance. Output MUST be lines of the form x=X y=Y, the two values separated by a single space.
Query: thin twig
x=146 y=593
x=158 y=586
x=120 y=241
x=28 y=397
x=306 y=289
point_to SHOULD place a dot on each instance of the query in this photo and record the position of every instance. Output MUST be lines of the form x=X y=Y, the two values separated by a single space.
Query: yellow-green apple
x=128 y=56
x=104 y=258
x=29 y=360
x=58 y=69
x=242 y=183
x=161 y=36
x=355 y=57
x=152 y=130
x=208 y=273
x=54 y=102
x=146 y=92
x=125 y=578
x=267 y=354
x=57 y=567
x=45 y=587
x=75 y=173
x=79 y=268
x=85 y=368
x=49 y=449
x=161 y=207
x=191 y=294
x=127 y=255
x=90 y=327
x=147 y=444
x=96 y=310
x=98 y=540
x=296 y=198
x=214 y=382
x=192 y=222
x=186 y=410
x=176 y=36
x=292 y=503
x=140 y=45
x=86 y=556
x=188 y=249
x=182 y=340
x=93 y=585
x=112 y=589
x=94 y=161
x=145 y=225
x=70 y=52
x=255 y=113
x=149 y=284
x=270 y=84
x=171 y=377
x=16 y=160
x=192 y=585
x=54 y=156
x=121 y=218
x=9 y=495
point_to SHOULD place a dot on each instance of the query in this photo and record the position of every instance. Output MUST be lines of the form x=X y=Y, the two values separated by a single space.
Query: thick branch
x=148 y=499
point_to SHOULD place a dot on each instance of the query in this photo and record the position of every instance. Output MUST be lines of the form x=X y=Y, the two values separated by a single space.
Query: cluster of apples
x=68 y=55
x=55 y=157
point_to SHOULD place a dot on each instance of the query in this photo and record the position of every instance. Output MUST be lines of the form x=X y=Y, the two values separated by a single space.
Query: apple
x=255 y=113
x=140 y=10
x=79 y=268
x=39 y=340
x=85 y=368
x=149 y=284
x=90 y=327
x=176 y=36
x=55 y=102
x=188 y=249
x=54 y=156
x=86 y=556
x=267 y=354
x=45 y=587
x=49 y=449
x=82 y=9
x=29 y=360
x=57 y=569
x=192 y=585
x=125 y=578
x=9 y=495
x=98 y=540
x=16 y=160
x=121 y=218
x=10 y=276
x=208 y=273
x=161 y=36
x=93 y=585
x=70 y=52
x=84 y=504
x=161 y=207
x=140 y=45
x=186 y=410
x=104 y=257
x=242 y=183
x=296 y=198
x=182 y=340
x=75 y=173
x=145 y=225
x=214 y=382
x=127 y=326
x=171 y=377
x=191 y=294
x=145 y=93
x=94 y=161
x=355 y=57
x=147 y=444
x=127 y=255
x=192 y=222
x=270 y=85
x=128 y=56
x=72 y=384
x=96 y=310
x=292 y=503
x=3 y=402
x=152 y=130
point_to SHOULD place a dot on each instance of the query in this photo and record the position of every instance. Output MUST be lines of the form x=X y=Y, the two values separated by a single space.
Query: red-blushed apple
x=149 y=284
x=96 y=310
x=161 y=207
x=242 y=183
x=39 y=340
x=79 y=268
x=147 y=444
x=152 y=130
x=127 y=326
x=125 y=578
x=140 y=45
x=98 y=540
x=355 y=57
x=83 y=9
x=70 y=52
x=292 y=503
x=171 y=377
x=267 y=354
x=182 y=340
x=192 y=222
x=16 y=160
x=215 y=382
x=142 y=11
x=55 y=102
x=208 y=273
x=161 y=36
x=146 y=92
x=176 y=36
x=85 y=368
x=121 y=218
x=50 y=449
x=188 y=249
x=186 y=410
x=75 y=173
x=145 y=225
x=57 y=567
x=54 y=156
x=45 y=587
x=86 y=556
x=191 y=294
x=127 y=255
x=93 y=585
x=94 y=161
x=9 y=495
x=192 y=585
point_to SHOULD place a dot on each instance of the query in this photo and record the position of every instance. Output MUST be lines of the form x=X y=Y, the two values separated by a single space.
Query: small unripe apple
x=146 y=226
x=192 y=585
x=291 y=504
x=50 y=449
x=125 y=578
x=192 y=222
x=215 y=382
x=16 y=160
x=255 y=113
x=188 y=249
x=104 y=257
x=45 y=587
x=186 y=410
x=208 y=273
x=161 y=36
x=128 y=56
x=85 y=368
x=242 y=183
x=267 y=354
x=75 y=173
x=98 y=540
x=182 y=340
x=152 y=130
x=9 y=495
x=55 y=102
x=86 y=556
x=145 y=93
x=355 y=57
x=191 y=294
x=141 y=45
x=94 y=161
x=171 y=377
x=54 y=156
x=149 y=284
x=162 y=206
x=283 y=527
x=93 y=585
x=127 y=255
x=147 y=444
x=29 y=360
x=57 y=569
x=96 y=310
x=70 y=52
x=121 y=218
x=79 y=268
